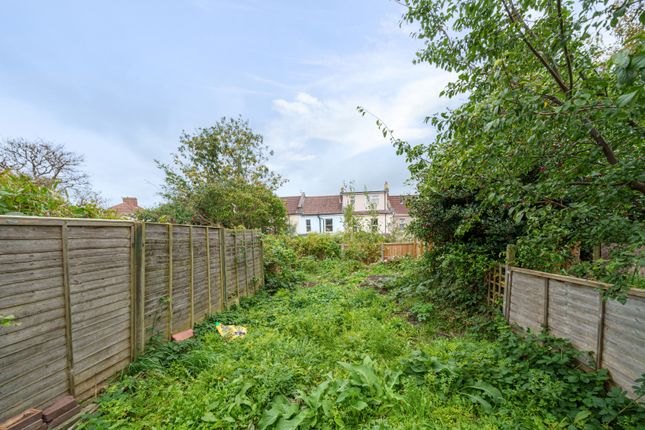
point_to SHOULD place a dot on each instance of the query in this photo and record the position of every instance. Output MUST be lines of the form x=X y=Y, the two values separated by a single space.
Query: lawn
x=339 y=352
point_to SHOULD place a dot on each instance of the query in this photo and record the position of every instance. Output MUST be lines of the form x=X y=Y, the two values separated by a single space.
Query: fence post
x=254 y=279
x=208 y=270
x=547 y=282
x=191 y=291
x=600 y=337
x=68 y=311
x=510 y=259
x=235 y=263
x=170 y=275
x=246 y=265
x=140 y=290
x=261 y=261
x=133 y=282
x=382 y=252
x=222 y=268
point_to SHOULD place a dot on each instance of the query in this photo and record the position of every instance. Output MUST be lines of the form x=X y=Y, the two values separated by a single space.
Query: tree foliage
x=219 y=176
x=548 y=147
x=22 y=195
x=49 y=165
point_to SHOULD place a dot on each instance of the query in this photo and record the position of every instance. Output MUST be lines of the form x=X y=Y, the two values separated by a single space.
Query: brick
x=21 y=421
x=64 y=417
x=58 y=408
x=183 y=335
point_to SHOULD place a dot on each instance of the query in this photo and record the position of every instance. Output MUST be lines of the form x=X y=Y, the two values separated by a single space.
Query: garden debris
x=182 y=335
x=29 y=419
x=230 y=331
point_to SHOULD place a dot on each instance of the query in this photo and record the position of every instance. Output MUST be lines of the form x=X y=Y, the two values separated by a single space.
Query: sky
x=118 y=81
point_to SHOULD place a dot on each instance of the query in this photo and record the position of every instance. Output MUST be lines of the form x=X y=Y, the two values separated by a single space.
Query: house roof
x=291 y=203
x=398 y=205
x=128 y=206
x=320 y=205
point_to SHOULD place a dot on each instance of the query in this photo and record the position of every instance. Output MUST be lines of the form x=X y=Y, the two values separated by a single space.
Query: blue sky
x=119 y=80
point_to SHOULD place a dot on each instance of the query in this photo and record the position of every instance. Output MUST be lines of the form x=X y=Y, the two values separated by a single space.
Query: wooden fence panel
x=573 y=308
x=573 y=314
x=527 y=302
x=623 y=341
x=100 y=305
x=181 y=293
x=33 y=355
x=232 y=290
x=157 y=257
x=200 y=271
x=217 y=279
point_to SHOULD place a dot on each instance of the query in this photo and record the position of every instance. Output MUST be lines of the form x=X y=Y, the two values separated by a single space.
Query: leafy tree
x=550 y=136
x=49 y=165
x=219 y=176
x=20 y=194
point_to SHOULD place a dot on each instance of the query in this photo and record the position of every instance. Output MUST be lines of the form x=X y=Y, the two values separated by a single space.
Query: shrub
x=319 y=246
x=363 y=246
x=280 y=263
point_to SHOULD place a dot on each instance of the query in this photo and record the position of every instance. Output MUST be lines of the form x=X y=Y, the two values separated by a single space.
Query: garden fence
x=390 y=251
x=88 y=294
x=612 y=333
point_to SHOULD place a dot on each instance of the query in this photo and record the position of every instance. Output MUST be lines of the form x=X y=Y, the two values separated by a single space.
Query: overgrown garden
x=341 y=344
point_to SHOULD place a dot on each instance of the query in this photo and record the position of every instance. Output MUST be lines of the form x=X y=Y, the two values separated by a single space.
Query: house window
x=373 y=201
x=329 y=224
x=402 y=223
x=308 y=225
x=374 y=224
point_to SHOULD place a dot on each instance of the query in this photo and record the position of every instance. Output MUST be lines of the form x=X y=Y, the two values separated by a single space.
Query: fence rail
x=574 y=309
x=88 y=294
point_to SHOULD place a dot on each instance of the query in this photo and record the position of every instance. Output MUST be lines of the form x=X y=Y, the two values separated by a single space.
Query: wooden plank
x=99 y=232
x=29 y=246
x=32 y=371
x=82 y=244
x=19 y=361
x=81 y=318
x=170 y=281
x=36 y=232
x=37 y=220
x=91 y=386
x=28 y=337
x=35 y=395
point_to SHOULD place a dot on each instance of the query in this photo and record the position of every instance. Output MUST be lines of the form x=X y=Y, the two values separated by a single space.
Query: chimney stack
x=130 y=201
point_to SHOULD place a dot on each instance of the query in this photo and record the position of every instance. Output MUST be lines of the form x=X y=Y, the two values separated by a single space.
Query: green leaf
x=209 y=417
x=621 y=58
x=626 y=98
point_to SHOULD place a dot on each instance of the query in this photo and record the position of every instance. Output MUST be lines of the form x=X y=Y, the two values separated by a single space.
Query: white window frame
x=308 y=225
x=329 y=225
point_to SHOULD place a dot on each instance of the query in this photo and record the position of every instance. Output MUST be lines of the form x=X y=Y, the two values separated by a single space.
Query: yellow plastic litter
x=230 y=331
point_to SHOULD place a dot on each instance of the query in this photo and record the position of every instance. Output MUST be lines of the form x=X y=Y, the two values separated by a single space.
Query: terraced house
x=324 y=214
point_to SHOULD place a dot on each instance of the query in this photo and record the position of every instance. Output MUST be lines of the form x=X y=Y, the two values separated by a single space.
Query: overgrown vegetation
x=22 y=195
x=219 y=176
x=547 y=151
x=334 y=352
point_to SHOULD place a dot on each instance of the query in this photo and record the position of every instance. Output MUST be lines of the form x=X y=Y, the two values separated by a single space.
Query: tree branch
x=515 y=18
x=567 y=56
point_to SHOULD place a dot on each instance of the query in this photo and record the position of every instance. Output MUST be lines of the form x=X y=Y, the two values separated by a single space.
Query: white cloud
x=323 y=115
